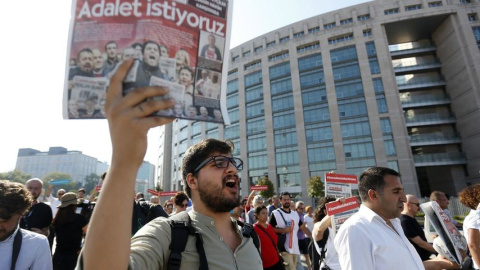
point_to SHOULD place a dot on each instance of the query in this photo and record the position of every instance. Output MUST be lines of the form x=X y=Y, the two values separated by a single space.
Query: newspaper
x=446 y=230
x=340 y=212
x=179 y=44
x=339 y=185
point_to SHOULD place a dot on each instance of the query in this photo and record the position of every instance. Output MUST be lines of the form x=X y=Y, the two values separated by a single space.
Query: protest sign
x=181 y=42
x=339 y=185
x=265 y=187
x=59 y=182
x=340 y=212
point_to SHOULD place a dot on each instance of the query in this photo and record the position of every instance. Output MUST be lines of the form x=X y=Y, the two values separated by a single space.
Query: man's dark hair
x=140 y=194
x=14 y=199
x=285 y=194
x=373 y=178
x=84 y=50
x=137 y=44
x=110 y=42
x=259 y=209
x=180 y=197
x=199 y=152
x=187 y=69
x=148 y=42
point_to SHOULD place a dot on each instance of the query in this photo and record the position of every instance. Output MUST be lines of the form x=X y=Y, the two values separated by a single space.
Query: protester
x=303 y=238
x=154 y=199
x=442 y=200
x=181 y=202
x=308 y=217
x=169 y=207
x=413 y=231
x=373 y=237
x=268 y=240
x=140 y=197
x=275 y=204
x=323 y=238
x=236 y=213
x=33 y=251
x=210 y=176
x=54 y=202
x=287 y=223
x=470 y=197
x=70 y=228
x=257 y=201
x=39 y=215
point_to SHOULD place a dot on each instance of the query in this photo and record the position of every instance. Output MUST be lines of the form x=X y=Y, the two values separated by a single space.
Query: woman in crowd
x=323 y=223
x=268 y=240
x=470 y=197
x=69 y=228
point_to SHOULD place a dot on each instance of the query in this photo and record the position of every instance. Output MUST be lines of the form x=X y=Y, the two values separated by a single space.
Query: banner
x=340 y=212
x=177 y=44
x=59 y=182
x=259 y=187
x=339 y=185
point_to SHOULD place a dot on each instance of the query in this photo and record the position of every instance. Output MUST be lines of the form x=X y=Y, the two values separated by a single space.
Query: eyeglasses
x=417 y=204
x=222 y=162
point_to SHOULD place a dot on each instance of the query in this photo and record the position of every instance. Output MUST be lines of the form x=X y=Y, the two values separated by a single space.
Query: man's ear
x=192 y=181
x=372 y=195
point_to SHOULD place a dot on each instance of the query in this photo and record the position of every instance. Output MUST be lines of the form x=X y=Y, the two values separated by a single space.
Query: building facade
x=384 y=83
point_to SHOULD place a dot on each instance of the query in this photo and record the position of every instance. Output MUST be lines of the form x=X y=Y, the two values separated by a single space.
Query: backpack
x=181 y=227
x=317 y=258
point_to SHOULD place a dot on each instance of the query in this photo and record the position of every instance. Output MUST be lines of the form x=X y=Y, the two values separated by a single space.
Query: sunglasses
x=221 y=162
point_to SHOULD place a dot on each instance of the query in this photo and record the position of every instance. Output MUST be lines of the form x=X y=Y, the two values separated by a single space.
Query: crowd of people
x=209 y=226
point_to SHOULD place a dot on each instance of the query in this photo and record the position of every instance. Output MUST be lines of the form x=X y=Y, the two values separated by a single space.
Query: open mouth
x=231 y=181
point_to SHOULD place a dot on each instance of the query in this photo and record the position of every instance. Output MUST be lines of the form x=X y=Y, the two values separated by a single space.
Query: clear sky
x=32 y=73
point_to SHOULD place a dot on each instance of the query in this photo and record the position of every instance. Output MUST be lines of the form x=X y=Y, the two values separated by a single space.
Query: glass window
x=196 y=128
x=285 y=138
x=233 y=115
x=271 y=44
x=196 y=139
x=283 y=121
x=280 y=70
x=435 y=4
x=378 y=85
x=257 y=162
x=247 y=53
x=312 y=115
x=309 y=62
x=346 y=21
x=298 y=34
x=386 y=127
x=374 y=67
x=284 y=39
x=389 y=145
x=391 y=11
x=314 y=30
x=253 y=79
x=255 y=126
x=343 y=54
x=281 y=86
x=318 y=134
x=254 y=93
x=308 y=47
x=314 y=95
x=345 y=72
x=381 y=103
x=282 y=103
x=253 y=110
x=358 y=150
x=363 y=17
x=212 y=133
x=232 y=101
x=352 y=109
x=232 y=73
x=253 y=65
x=393 y=165
x=232 y=87
x=235 y=58
x=472 y=17
x=371 y=50
x=279 y=56
x=256 y=144
x=367 y=32
x=339 y=39
x=329 y=25
x=321 y=154
x=413 y=7
x=287 y=158
x=349 y=89
x=258 y=49
x=232 y=132
x=311 y=78
x=356 y=129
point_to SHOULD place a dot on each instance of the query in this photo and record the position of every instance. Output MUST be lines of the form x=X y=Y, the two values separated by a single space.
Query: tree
x=157 y=187
x=15 y=176
x=70 y=187
x=315 y=187
x=91 y=181
x=266 y=182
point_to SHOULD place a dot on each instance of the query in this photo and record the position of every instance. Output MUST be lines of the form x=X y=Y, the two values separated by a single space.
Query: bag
x=282 y=237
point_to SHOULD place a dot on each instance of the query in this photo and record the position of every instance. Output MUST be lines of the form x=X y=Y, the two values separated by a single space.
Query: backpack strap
x=17 y=244
x=322 y=243
x=181 y=227
x=249 y=232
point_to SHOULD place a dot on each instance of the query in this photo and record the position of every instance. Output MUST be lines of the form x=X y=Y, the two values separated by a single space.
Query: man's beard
x=286 y=205
x=213 y=198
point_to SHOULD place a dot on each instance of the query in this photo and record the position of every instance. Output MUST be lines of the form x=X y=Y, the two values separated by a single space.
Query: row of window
x=412 y=7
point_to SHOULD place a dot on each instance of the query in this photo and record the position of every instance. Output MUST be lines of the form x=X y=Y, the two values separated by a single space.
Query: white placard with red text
x=340 y=212
x=339 y=185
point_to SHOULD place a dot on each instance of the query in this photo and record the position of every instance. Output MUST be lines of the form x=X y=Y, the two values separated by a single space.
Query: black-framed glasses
x=221 y=162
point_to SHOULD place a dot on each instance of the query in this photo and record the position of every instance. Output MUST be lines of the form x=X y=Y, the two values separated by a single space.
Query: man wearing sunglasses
x=413 y=231
x=210 y=176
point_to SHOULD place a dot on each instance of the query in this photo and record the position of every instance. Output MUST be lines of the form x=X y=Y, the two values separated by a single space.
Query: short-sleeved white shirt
x=472 y=221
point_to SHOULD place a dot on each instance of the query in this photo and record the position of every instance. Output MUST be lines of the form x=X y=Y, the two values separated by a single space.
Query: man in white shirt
x=373 y=237
x=31 y=249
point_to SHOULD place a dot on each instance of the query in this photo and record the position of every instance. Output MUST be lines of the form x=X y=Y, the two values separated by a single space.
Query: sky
x=35 y=35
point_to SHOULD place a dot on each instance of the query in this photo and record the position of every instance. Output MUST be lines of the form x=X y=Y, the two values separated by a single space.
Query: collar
x=11 y=237
x=206 y=220
x=370 y=215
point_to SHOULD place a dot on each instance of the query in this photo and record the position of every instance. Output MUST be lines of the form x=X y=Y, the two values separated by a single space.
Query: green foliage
x=70 y=187
x=315 y=187
x=157 y=187
x=15 y=176
x=266 y=182
x=91 y=181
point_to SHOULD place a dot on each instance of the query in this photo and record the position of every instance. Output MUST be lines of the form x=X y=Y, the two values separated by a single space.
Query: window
x=282 y=103
x=271 y=44
x=311 y=78
x=232 y=101
x=253 y=79
x=285 y=137
x=321 y=154
x=298 y=34
x=256 y=126
x=389 y=145
x=314 y=95
x=233 y=115
x=232 y=73
x=287 y=158
x=309 y=62
x=363 y=17
x=355 y=129
x=371 y=50
x=257 y=162
x=254 y=110
x=349 y=89
x=465 y=1
x=346 y=72
x=281 y=86
x=472 y=17
x=232 y=87
x=386 y=126
x=390 y=11
x=308 y=47
x=338 y=39
x=329 y=25
x=358 y=150
x=256 y=143
x=435 y=4
x=235 y=58
x=378 y=85
x=254 y=93
x=381 y=103
x=318 y=134
x=279 y=56
x=343 y=54
x=413 y=7
x=253 y=65
x=374 y=67
x=280 y=70
x=346 y=21
x=352 y=109
x=232 y=132
x=247 y=53
x=316 y=114
x=284 y=39
x=258 y=49
x=367 y=32
x=283 y=121
x=314 y=30
x=476 y=33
